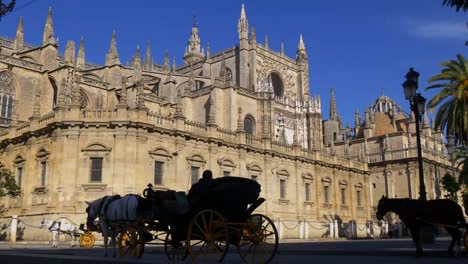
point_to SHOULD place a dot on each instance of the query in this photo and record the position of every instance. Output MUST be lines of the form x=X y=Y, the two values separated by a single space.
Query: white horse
x=57 y=228
x=113 y=211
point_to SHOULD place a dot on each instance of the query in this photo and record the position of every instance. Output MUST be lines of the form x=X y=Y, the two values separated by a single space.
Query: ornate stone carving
x=265 y=66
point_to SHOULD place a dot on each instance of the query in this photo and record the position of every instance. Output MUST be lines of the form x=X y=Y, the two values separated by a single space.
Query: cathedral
x=73 y=131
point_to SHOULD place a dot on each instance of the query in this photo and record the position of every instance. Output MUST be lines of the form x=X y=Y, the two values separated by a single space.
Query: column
x=13 y=228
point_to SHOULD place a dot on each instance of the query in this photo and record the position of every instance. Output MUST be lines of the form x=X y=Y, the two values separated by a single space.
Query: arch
x=19 y=159
x=283 y=173
x=161 y=152
x=326 y=179
x=228 y=74
x=84 y=101
x=226 y=162
x=196 y=157
x=97 y=146
x=307 y=176
x=343 y=183
x=53 y=82
x=277 y=83
x=253 y=166
x=28 y=58
x=8 y=85
x=42 y=153
x=92 y=76
x=249 y=125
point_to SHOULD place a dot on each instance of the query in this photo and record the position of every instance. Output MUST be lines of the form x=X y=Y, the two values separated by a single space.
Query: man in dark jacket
x=200 y=189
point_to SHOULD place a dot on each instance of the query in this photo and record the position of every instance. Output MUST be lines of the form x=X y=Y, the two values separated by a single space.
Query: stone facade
x=386 y=141
x=73 y=131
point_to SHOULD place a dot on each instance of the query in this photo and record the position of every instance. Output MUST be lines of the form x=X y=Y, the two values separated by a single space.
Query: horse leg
x=455 y=238
x=415 y=234
x=106 y=241
x=72 y=237
x=114 y=254
x=54 y=239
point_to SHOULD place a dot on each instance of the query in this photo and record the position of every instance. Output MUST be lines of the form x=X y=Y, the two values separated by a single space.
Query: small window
x=43 y=173
x=359 y=198
x=373 y=185
x=326 y=193
x=19 y=175
x=194 y=174
x=282 y=189
x=158 y=172
x=307 y=191
x=343 y=196
x=249 y=126
x=96 y=169
x=226 y=173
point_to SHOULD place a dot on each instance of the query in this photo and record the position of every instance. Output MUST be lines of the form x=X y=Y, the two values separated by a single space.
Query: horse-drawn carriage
x=203 y=224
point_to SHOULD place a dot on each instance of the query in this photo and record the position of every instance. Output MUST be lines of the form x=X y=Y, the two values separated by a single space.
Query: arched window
x=277 y=84
x=249 y=125
x=7 y=93
x=228 y=74
x=55 y=91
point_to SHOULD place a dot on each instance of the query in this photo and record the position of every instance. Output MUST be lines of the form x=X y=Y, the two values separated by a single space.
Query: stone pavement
x=380 y=251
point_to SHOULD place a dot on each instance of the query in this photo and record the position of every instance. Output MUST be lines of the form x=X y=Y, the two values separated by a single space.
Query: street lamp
x=418 y=104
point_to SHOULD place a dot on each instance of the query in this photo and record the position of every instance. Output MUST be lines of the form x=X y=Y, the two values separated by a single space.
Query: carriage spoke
x=210 y=223
x=199 y=228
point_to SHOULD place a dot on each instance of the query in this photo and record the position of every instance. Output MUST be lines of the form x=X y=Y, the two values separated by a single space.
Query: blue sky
x=361 y=48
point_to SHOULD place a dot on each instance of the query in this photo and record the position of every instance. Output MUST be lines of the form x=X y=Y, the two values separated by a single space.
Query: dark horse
x=413 y=213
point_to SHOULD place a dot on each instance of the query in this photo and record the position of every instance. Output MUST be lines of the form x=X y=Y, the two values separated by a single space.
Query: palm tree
x=458 y=4
x=452 y=99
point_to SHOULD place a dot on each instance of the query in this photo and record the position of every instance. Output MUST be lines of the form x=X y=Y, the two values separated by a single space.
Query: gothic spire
x=266 y=41
x=137 y=66
x=208 y=50
x=301 y=54
x=166 y=67
x=148 y=60
x=112 y=57
x=19 y=39
x=333 y=113
x=69 y=55
x=243 y=25
x=253 y=36
x=80 y=60
x=282 y=49
x=193 y=51
x=48 y=35
x=174 y=65
x=301 y=46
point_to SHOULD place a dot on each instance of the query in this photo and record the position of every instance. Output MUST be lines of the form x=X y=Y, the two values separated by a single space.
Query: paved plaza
x=339 y=251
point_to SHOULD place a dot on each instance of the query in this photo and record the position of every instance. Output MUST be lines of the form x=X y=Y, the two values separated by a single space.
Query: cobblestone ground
x=393 y=251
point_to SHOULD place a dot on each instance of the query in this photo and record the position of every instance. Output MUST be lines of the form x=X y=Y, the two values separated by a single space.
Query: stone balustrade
x=191 y=128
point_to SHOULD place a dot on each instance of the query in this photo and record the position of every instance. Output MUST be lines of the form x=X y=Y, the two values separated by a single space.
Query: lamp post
x=417 y=104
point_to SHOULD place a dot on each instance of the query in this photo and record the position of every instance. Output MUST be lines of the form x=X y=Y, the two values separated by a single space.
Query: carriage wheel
x=259 y=240
x=87 y=240
x=175 y=250
x=465 y=241
x=207 y=237
x=131 y=242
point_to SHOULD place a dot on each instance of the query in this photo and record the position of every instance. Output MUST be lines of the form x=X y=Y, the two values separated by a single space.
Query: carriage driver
x=200 y=189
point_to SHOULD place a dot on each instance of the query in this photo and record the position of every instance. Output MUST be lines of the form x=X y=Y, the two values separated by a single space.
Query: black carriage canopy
x=229 y=195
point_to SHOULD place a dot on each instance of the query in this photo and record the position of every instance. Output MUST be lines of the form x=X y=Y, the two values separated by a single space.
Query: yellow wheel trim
x=125 y=240
x=87 y=240
x=206 y=226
